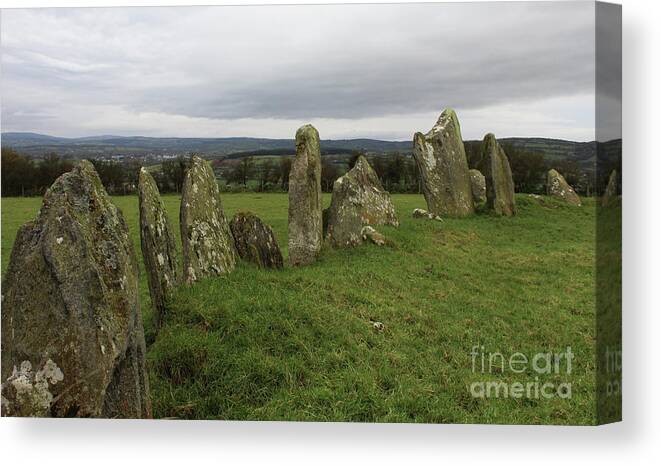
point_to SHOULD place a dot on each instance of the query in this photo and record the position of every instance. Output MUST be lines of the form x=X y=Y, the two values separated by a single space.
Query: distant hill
x=553 y=148
x=236 y=147
x=39 y=144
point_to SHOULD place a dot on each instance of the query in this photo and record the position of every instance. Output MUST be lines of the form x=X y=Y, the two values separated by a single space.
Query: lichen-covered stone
x=368 y=233
x=305 y=216
x=611 y=189
x=420 y=213
x=441 y=160
x=358 y=200
x=26 y=393
x=255 y=241
x=478 y=186
x=207 y=242
x=72 y=337
x=157 y=241
x=557 y=187
x=498 y=175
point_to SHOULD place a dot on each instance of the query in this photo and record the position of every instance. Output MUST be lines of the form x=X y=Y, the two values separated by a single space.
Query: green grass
x=300 y=344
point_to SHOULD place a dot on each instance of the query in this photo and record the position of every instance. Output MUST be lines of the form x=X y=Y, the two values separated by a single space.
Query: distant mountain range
x=235 y=147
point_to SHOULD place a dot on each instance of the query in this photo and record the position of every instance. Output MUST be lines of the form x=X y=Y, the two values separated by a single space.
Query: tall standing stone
x=305 y=216
x=498 y=176
x=443 y=167
x=557 y=187
x=358 y=200
x=72 y=338
x=478 y=186
x=157 y=241
x=207 y=243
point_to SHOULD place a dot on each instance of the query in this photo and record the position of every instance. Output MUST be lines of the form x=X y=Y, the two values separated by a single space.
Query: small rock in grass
x=420 y=213
x=368 y=233
x=378 y=326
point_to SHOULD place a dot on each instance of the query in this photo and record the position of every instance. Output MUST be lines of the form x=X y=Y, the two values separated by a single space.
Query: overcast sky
x=378 y=71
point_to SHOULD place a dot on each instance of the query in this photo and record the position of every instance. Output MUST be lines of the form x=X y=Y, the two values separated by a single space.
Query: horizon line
x=283 y=138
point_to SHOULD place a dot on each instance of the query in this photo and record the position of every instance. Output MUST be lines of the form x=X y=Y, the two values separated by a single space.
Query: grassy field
x=300 y=344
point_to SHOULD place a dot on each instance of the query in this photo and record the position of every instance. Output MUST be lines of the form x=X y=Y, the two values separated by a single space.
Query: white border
x=632 y=441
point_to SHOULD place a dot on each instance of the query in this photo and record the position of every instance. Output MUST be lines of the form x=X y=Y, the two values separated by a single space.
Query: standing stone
x=611 y=189
x=478 y=186
x=255 y=241
x=557 y=187
x=73 y=344
x=208 y=246
x=358 y=200
x=305 y=217
x=443 y=167
x=157 y=241
x=498 y=176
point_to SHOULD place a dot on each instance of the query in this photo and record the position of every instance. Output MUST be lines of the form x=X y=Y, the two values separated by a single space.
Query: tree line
x=24 y=176
x=398 y=173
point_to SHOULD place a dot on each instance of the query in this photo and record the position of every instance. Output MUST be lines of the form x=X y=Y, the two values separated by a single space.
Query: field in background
x=300 y=344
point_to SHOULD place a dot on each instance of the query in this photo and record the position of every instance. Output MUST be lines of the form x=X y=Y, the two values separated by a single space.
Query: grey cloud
x=294 y=62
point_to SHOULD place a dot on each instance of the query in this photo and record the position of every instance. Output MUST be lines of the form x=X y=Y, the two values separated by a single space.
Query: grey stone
x=208 y=246
x=612 y=189
x=557 y=187
x=368 y=233
x=72 y=336
x=498 y=175
x=441 y=160
x=255 y=241
x=157 y=241
x=358 y=200
x=305 y=216
x=420 y=213
x=478 y=186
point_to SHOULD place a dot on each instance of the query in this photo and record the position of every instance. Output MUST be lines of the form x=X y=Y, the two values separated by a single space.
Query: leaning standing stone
x=358 y=200
x=557 y=187
x=73 y=344
x=478 y=186
x=208 y=246
x=157 y=241
x=498 y=176
x=255 y=241
x=443 y=167
x=305 y=217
